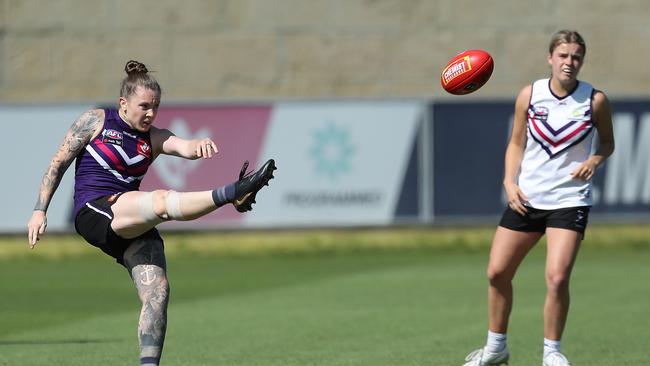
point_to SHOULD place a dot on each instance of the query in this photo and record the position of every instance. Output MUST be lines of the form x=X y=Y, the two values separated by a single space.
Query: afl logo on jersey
x=540 y=113
x=112 y=137
x=144 y=148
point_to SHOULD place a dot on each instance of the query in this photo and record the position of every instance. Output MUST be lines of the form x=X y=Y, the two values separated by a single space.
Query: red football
x=467 y=72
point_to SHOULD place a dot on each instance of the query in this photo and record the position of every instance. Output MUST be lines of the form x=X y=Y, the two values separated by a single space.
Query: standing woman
x=548 y=172
x=113 y=150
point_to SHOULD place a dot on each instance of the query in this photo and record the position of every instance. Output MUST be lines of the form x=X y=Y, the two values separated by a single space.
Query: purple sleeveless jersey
x=115 y=161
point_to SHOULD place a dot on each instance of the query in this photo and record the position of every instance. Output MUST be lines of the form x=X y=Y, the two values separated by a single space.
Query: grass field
x=365 y=297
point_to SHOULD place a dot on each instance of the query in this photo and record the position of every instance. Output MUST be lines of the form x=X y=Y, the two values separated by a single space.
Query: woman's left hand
x=585 y=171
x=205 y=148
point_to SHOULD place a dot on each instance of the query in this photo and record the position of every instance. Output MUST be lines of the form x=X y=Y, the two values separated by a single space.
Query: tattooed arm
x=80 y=133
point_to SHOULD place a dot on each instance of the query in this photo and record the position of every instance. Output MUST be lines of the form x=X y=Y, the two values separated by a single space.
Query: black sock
x=223 y=195
x=149 y=361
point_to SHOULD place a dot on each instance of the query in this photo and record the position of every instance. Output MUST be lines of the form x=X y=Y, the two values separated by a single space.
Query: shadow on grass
x=37 y=342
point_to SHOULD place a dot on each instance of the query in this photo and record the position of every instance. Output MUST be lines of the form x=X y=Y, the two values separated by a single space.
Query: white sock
x=496 y=342
x=551 y=346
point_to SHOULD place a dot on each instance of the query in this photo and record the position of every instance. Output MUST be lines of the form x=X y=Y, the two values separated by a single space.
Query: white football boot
x=483 y=357
x=555 y=359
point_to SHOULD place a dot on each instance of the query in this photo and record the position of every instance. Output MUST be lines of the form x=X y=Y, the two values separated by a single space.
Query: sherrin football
x=467 y=72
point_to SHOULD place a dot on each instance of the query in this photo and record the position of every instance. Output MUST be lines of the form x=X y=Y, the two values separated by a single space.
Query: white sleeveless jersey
x=560 y=137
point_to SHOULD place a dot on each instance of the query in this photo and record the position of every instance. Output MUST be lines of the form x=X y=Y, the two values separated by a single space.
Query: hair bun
x=135 y=67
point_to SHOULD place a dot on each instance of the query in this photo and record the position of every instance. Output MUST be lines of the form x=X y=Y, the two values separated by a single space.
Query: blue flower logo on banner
x=332 y=151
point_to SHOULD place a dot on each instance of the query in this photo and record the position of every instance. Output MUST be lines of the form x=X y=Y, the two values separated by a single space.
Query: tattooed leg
x=153 y=290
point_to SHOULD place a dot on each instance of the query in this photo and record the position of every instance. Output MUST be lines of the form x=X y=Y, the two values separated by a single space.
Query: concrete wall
x=211 y=50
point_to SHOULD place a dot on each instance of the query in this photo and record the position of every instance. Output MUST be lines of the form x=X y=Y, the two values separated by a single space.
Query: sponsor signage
x=36 y=133
x=469 y=142
x=624 y=185
x=238 y=132
x=338 y=163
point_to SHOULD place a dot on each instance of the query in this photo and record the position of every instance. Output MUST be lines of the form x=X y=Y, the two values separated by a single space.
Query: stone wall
x=238 y=50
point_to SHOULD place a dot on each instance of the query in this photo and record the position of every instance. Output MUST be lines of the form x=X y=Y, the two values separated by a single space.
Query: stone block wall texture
x=268 y=50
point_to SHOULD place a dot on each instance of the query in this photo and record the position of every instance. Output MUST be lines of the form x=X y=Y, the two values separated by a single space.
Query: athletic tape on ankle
x=173 y=205
x=145 y=204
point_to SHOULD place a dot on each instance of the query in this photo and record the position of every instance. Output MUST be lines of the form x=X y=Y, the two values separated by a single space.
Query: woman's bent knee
x=166 y=204
x=497 y=277
x=557 y=282
x=150 y=208
x=151 y=282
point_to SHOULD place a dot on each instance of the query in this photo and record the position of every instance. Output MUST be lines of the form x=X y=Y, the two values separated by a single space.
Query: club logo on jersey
x=580 y=112
x=144 y=148
x=112 y=137
x=539 y=113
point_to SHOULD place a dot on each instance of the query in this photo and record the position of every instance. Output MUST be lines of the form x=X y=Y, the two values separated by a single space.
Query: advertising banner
x=238 y=132
x=623 y=187
x=33 y=135
x=469 y=142
x=340 y=164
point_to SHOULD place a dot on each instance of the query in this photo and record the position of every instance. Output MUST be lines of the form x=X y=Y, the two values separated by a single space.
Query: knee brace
x=172 y=207
x=145 y=204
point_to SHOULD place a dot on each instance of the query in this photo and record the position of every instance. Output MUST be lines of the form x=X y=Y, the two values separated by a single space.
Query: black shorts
x=535 y=220
x=93 y=223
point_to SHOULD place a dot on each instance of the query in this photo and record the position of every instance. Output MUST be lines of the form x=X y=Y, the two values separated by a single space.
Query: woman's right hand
x=36 y=227
x=516 y=198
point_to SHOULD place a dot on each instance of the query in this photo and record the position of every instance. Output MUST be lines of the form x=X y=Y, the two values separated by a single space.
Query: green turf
x=419 y=305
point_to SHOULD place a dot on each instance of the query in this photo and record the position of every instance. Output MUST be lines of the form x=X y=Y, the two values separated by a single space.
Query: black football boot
x=249 y=184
